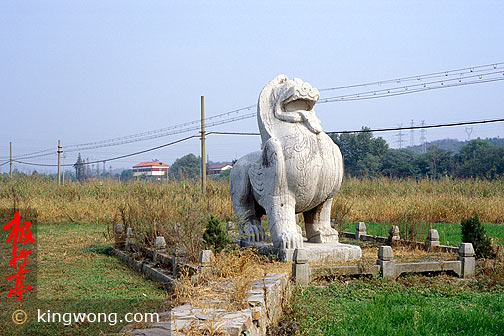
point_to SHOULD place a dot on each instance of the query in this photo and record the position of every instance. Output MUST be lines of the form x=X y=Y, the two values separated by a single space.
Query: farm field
x=380 y=200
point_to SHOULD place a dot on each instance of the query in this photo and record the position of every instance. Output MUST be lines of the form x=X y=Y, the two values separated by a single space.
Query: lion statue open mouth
x=298 y=170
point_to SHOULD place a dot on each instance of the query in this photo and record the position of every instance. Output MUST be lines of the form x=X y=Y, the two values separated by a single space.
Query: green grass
x=449 y=233
x=76 y=274
x=376 y=307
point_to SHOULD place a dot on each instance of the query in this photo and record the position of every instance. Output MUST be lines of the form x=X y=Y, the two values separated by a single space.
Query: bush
x=473 y=232
x=215 y=235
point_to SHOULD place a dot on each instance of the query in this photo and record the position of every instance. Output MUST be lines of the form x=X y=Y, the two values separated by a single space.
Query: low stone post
x=468 y=262
x=159 y=247
x=386 y=262
x=432 y=239
x=130 y=240
x=205 y=259
x=360 y=230
x=300 y=267
x=393 y=234
x=119 y=237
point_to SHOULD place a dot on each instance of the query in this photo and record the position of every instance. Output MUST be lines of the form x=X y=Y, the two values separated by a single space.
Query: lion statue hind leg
x=244 y=205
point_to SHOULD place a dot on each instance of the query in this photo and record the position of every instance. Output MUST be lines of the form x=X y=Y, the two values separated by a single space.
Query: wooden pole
x=59 y=162
x=10 y=169
x=203 y=157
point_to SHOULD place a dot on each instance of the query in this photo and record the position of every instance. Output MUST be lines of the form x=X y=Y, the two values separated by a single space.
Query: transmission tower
x=412 y=134
x=423 y=139
x=469 y=131
x=399 y=136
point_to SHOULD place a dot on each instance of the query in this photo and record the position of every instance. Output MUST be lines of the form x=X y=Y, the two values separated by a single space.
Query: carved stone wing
x=267 y=175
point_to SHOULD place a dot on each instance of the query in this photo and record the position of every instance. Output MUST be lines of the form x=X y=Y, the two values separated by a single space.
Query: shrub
x=473 y=232
x=215 y=235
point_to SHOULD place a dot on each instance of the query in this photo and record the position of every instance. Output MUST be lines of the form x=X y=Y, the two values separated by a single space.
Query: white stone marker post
x=432 y=239
x=468 y=262
x=360 y=230
x=300 y=267
x=159 y=247
x=386 y=262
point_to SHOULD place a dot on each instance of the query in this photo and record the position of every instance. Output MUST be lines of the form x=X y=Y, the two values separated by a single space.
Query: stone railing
x=265 y=298
x=385 y=267
x=431 y=242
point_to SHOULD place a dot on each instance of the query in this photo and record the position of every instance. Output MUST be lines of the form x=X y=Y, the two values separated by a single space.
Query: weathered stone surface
x=206 y=257
x=394 y=232
x=300 y=256
x=298 y=170
x=160 y=244
x=466 y=250
x=385 y=253
x=433 y=235
x=360 y=230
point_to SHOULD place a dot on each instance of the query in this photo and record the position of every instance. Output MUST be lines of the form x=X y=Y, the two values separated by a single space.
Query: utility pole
x=468 y=131
x=59 y=162
x=10 y=161
x=203 y=157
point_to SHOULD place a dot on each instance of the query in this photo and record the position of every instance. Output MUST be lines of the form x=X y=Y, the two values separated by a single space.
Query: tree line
x=367 y=156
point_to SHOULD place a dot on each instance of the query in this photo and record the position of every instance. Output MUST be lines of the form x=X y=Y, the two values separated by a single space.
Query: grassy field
x=411 y=306
x=76 y=274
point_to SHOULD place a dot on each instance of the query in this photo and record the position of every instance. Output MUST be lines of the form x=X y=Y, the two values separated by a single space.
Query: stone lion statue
x=298 y=170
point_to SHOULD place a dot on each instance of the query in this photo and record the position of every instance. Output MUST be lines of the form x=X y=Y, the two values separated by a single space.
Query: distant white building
x=156 y=170
x=217 y=169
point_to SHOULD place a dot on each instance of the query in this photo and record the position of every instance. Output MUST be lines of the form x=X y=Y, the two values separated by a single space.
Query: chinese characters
x=19 y=233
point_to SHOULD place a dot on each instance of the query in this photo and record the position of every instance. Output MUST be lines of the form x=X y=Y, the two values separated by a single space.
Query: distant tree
x=435 y=163
x=480 y=159
x=126 y=175
x=399 y=163
x=361 y=152
x=188 y=166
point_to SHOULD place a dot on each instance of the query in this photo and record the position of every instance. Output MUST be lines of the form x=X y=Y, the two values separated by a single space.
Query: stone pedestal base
x=325 y=252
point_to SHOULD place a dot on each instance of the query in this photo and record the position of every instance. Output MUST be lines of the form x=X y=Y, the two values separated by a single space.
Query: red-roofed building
x=216 y=169
x=156 y=170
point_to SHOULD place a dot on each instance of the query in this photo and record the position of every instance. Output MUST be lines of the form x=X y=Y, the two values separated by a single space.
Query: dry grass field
x=369 y=200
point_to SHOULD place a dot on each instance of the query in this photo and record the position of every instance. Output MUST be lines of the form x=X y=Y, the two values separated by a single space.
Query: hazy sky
x=84 y=71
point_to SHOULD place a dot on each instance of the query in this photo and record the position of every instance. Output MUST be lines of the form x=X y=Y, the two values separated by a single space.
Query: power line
x=394 y=91
x=383 y=129
x=448 y=73
x=114 y=158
